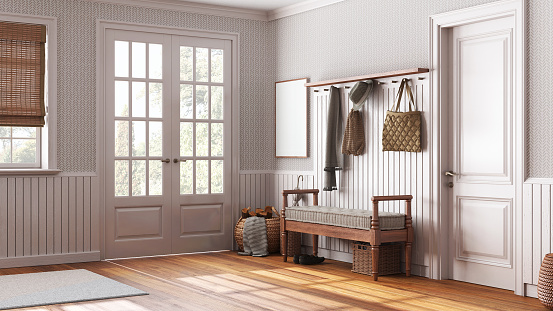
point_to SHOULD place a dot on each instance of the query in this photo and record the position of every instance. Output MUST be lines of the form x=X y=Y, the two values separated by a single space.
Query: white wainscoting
x=373 y=173
x=48 y=220
x=537 y=226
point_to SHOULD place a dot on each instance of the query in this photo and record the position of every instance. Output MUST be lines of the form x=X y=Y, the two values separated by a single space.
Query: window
x=27 y=92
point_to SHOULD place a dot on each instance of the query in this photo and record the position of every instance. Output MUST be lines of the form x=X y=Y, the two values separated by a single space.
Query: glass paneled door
x=202 y=187
x=167 y=144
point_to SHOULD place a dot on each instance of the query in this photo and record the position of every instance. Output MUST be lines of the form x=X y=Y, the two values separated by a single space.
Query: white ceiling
x=264 y=5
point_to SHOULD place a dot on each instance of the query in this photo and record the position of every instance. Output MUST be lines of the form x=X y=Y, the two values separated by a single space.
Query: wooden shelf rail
x=368 y=77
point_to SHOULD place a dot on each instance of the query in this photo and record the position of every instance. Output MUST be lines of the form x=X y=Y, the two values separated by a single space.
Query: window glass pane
x=155 y=58
x=202 y=98
x=156 y=99
x=186 y=109
x=121 y=178
x=121 y=138
x=138 y=177
x=155 y=139
x=217 y=176
x=186 y=63
x=138 y=99
x=5 y=151
x=217 y=139
x=202 y=64
x=24 y=151
x=139 y=138
x=186 y=177
x=156 y=178
x=216 y=65
x=217 y=102
x=138 y=60
x=121 y=98
x=202 y=140
x=121 y=59
x=5 y=131
x=202 y=176
x=24 y=132
x=186 y=139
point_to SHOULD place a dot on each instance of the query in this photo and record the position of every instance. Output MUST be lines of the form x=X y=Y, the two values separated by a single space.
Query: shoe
x=297 y=259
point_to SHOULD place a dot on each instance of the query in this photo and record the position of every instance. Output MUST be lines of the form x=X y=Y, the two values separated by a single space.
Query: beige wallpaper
x=357 y=37
x=77 y=74
x=353 y=37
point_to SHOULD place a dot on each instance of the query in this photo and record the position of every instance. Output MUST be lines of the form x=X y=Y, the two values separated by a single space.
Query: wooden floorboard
x=226 y=281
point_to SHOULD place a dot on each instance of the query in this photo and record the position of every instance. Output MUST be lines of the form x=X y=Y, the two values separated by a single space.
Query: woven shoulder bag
x=402 y=130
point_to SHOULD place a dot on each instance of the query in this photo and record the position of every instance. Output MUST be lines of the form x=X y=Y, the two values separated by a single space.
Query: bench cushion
x=343 y=217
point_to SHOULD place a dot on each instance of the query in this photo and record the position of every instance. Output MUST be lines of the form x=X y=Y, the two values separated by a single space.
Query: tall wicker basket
x=545 y=282
x=273 y=236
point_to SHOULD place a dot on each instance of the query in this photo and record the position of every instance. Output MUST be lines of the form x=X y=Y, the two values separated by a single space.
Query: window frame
x=48 y=133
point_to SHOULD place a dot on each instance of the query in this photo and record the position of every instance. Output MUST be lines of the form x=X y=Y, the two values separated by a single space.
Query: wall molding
x=540 y=181
x=40 y=260
x=276 y=172
x=298 y=8
x=225 y=11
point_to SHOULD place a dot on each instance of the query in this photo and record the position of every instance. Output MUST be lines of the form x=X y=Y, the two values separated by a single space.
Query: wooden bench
x=375 y=236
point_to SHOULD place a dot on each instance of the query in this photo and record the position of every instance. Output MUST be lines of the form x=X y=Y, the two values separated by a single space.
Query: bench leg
x=315 y=245
x=284 y=242
x=375 y=254
x=408 y=258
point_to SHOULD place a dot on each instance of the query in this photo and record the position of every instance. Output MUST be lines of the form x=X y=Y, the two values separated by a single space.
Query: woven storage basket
x=389 y=261
x=545 y=282
x=273 y=236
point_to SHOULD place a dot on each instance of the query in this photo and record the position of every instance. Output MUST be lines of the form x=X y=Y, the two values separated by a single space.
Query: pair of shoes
x=310 y=260
x=307 y=259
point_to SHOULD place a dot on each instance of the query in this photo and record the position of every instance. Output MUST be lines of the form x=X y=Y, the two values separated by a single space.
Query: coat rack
x=368 y=77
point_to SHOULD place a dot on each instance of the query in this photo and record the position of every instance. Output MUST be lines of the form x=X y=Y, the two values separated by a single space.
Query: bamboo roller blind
x=22 y=68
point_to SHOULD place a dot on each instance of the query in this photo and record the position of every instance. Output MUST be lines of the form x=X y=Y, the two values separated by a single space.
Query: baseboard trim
x=530 y=290
x=41 y=260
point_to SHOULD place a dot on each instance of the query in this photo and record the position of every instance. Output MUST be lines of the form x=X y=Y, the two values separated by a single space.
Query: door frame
x=101 y=27
x=438 y=136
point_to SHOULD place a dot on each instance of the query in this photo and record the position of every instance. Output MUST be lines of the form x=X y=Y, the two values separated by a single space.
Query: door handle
x=166 y=160
x=175 y=160
x=450 y=173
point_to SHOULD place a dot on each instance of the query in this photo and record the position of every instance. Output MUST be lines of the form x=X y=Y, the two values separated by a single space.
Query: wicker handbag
x=402 y=130
x=273 y=236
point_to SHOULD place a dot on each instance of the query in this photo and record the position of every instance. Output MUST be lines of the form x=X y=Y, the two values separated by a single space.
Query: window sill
x=31 y=171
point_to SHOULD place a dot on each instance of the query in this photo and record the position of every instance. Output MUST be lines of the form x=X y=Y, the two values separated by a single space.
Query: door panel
x=481 y=137
x=202 y=186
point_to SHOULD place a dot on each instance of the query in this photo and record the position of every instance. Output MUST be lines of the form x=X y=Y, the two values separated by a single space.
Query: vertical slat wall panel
x=376 y=172
x=537 y=224
x=372 y=173
x=41 y=216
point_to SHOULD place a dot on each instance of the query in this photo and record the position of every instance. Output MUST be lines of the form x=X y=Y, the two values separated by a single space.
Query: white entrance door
x=481 y=153
x=168 y=139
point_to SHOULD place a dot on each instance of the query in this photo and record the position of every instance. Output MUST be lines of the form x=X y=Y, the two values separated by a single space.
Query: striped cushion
x=343 y=217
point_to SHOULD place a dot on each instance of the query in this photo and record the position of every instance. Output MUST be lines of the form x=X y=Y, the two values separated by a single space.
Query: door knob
x=450 y=173
x=175 y=160
x=166 y=160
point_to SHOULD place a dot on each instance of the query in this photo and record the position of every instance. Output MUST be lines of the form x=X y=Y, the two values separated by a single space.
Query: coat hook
x=347 y=87
x=326 y=89
x=421 y=78
x=394 y=81
x=315 y=90
x=380 y=82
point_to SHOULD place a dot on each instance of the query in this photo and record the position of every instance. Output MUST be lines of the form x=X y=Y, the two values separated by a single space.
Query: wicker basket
x=273 y=236
x=545 y=282
x=389 y=261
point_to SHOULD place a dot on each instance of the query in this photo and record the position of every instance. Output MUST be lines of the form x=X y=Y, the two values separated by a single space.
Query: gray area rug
x=46 y=288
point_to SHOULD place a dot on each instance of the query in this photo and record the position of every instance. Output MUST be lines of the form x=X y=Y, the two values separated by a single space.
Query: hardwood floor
x=226 y=281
